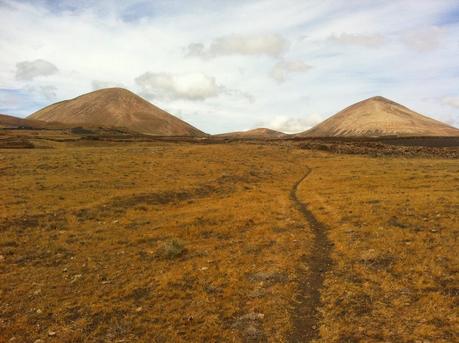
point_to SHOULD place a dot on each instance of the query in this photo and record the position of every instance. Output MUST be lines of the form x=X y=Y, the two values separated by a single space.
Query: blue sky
x=234 y=65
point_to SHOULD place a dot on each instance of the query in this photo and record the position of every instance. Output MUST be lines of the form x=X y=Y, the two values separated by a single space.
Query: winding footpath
x=306 y=313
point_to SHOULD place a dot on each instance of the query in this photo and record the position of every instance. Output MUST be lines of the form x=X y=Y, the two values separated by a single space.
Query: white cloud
x=272 y=45
x=28 y=70
x=365 y=40
x=452 y=101
x=190 y=86
x=424 y=39
x=283 y=69
x=294 y=125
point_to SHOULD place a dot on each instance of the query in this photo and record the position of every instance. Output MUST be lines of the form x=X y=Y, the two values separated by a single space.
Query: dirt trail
x=306 y=313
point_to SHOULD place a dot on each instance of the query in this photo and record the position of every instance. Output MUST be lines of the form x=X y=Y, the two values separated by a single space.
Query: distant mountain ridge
x=116 y=107
x=255 y=133
x=122 y=109
x=378 y=116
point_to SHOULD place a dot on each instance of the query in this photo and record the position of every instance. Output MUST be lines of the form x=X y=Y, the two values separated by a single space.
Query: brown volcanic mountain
x=379 y=116
x=7 y=121
x=261 y=133
x=116 y=107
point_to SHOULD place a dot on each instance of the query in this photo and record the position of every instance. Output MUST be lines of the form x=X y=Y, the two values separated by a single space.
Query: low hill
x=7 y=121
x=376 y=117
x=260 y=133
x=116 y=107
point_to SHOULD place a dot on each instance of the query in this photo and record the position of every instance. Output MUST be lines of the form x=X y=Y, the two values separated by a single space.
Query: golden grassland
x=394 y=225
x=175 y=242
x=166 y=243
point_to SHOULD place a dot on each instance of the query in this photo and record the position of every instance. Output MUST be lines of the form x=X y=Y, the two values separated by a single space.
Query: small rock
x=138 y=309
x=2 y=258
x=76 y=277
x=51 y=333
x=39 y=311
x=38 y=341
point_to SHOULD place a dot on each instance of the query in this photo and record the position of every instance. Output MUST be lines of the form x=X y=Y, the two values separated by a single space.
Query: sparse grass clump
x=171 y=249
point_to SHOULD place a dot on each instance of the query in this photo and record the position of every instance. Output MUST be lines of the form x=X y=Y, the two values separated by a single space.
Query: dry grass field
x=158 y=243
x=395 y=228
x=180 y=242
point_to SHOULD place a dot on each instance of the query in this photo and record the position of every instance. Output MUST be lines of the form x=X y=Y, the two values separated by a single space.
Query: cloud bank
x=191 y=86
x=28 y=70
x=271 y=45
x=226 y=66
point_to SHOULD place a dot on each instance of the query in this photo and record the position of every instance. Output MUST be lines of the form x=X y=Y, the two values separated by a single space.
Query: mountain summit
x=116 y=107
x=378 y=116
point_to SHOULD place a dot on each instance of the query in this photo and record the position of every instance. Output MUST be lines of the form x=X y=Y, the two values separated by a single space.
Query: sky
x=229 y=65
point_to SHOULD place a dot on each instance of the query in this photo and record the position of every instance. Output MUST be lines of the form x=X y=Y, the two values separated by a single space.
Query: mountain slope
x=7 y=121
x=116 y=107
x=379 y=116
x=261 y=133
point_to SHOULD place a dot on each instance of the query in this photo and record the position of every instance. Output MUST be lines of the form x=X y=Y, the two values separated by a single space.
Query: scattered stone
x=51 y=333
x=38 y=311
x=139 y=309
x=76 y=277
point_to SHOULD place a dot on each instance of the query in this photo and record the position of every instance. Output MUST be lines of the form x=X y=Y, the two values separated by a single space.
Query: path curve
x=306 y=313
